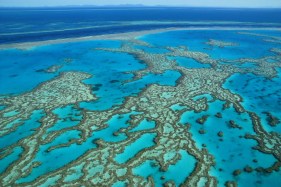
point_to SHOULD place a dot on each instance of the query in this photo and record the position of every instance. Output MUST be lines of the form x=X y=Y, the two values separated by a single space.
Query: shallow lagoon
x=112 y=82
x=260 y=95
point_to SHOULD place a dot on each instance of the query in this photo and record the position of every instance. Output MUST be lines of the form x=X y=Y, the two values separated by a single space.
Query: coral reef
x=98 y=165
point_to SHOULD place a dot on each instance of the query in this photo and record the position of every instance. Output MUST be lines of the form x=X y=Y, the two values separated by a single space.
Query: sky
x=191 y=3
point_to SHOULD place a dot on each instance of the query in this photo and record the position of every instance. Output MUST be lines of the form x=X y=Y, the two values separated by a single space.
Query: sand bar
x=120 y=36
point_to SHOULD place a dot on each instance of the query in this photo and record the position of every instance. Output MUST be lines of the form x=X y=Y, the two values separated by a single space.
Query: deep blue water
x=30 y=24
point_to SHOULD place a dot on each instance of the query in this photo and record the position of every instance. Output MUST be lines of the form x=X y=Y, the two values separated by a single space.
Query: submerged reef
x=143 y=141
x=221 y=44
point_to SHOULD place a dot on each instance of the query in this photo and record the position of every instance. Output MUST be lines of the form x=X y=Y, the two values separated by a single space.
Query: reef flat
x=194 y=126
x=130 y=35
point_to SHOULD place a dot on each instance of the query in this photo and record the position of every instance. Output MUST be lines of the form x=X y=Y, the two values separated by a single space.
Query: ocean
x=140 y=96
x=36 y=24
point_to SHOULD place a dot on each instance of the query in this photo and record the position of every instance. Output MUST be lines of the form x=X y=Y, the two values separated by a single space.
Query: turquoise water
x=260 y=95
x=177 y=172
x=189 y=63
x=109 y=87
x=2 y=107
x=67 y=117
x=112 y=83
x=144 y=125
x=75 y=175
x=8 y=160
x=247 y=65
x=113 y=93
x=177 y=107
x=65 y=155
x=119 y=184
x=23 y=131
x=196 y=41
x=64 y=138
x=152 y=50
x=145 y=141
x=10 y=114
x=114 y=125
x=67 y=112
x=231 y=151
x=22 y=70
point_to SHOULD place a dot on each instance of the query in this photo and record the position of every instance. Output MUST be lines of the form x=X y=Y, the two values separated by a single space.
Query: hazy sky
x=205 y=3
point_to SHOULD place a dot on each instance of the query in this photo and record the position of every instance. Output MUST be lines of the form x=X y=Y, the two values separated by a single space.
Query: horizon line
x=138 y=6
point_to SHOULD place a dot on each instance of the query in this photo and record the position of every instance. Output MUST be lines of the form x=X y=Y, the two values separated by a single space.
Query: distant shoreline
x=135 y=6
x=117 y=36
